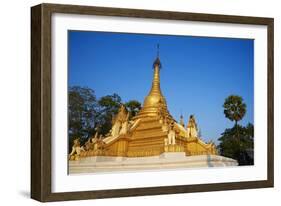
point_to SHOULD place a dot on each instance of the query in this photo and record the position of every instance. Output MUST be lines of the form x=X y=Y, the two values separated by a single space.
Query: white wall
x=15 y=101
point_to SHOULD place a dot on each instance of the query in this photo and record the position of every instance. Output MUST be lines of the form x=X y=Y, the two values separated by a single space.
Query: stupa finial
x=157 y=50
x=157 y=62
x=181 y=120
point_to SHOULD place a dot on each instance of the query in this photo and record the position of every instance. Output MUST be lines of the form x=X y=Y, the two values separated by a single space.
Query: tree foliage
x=108 y=107
x=88 y=115
x=238 y=143
x=82 y=112
x=234 y=108
x=133 y=107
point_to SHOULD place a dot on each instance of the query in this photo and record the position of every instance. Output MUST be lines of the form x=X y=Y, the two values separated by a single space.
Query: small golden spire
x=155 y=89
x=181 y=121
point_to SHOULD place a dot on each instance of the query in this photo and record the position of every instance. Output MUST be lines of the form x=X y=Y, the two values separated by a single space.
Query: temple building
x=152 y=132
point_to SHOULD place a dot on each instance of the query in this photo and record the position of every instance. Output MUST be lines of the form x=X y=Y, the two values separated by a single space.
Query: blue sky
x=197 y=73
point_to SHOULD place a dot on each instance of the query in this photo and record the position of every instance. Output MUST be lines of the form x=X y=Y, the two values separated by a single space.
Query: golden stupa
x=151 y=132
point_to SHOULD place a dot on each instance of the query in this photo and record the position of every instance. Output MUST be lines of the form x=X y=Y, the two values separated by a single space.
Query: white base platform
x=167 y=160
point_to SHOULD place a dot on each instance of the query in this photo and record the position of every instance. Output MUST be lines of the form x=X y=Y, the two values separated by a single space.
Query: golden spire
x=155 y=97
x=155 y=89
x=155 y=101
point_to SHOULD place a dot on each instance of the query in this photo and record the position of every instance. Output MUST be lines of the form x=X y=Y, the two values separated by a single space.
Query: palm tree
x=234 y=108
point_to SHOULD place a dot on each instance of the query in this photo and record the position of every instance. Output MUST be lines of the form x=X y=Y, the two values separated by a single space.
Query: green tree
x=82 y=113
x=108 y=107
x=133 y=106
x=87 y=115
x=240 y=148
x=234 y=108
x=237 y=142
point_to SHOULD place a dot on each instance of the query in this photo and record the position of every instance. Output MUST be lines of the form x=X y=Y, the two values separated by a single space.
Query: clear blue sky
x=197 y=73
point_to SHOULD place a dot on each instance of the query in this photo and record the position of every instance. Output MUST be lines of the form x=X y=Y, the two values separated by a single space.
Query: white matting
x=62 y=182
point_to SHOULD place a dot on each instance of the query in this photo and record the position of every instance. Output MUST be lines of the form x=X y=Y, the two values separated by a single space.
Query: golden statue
x=120 y=121
x=192 y=130
x=76 y=150
x=171 y=135
x=152 y=131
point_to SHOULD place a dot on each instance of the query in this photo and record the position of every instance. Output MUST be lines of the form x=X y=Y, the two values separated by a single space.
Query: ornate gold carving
x=174 y=148
x=192 y=130
x=76 y=150
x=120 y=122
